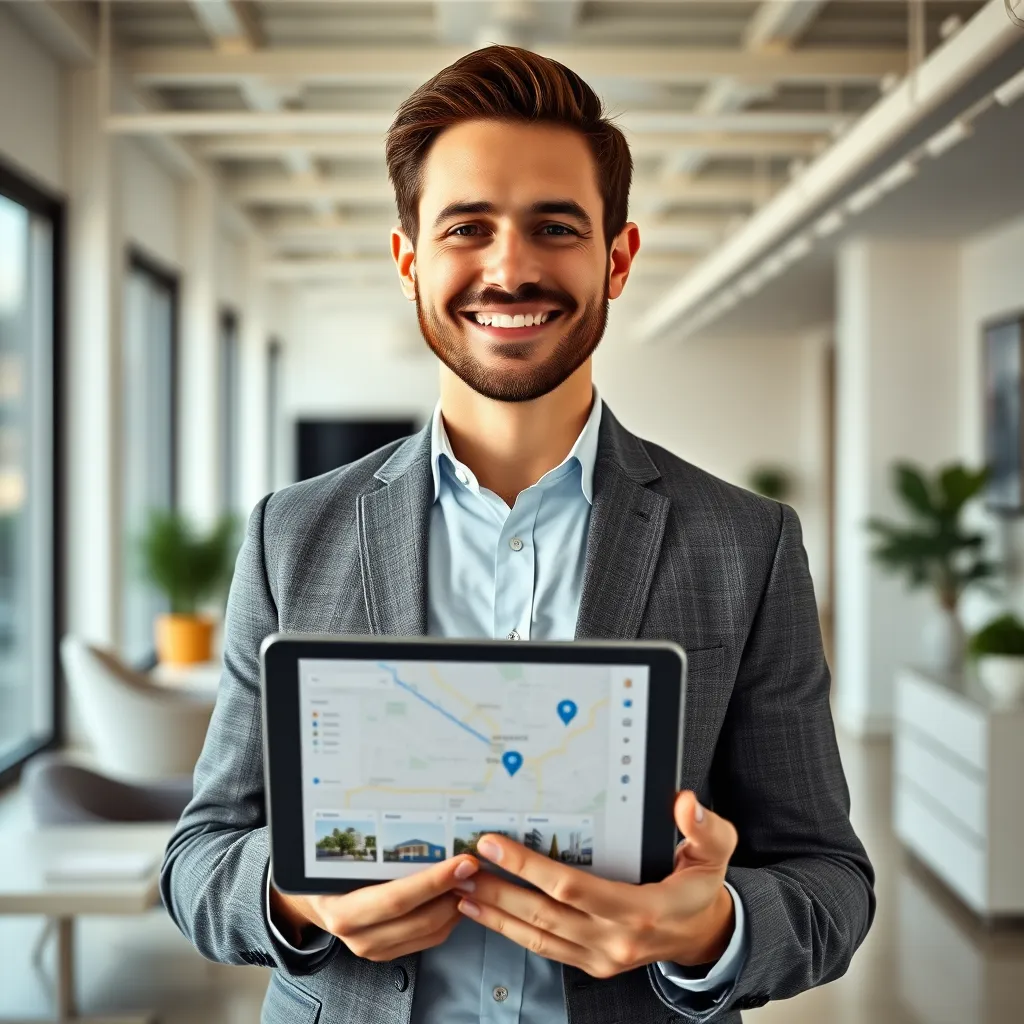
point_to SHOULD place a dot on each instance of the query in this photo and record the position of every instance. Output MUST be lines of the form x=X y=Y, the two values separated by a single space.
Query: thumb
x=709 y=838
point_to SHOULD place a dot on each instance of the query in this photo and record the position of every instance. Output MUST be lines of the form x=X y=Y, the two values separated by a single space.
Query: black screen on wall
x=324 y=445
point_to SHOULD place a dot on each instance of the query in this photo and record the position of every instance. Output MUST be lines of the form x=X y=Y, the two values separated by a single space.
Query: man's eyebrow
x=462 y=210
x=566 y=207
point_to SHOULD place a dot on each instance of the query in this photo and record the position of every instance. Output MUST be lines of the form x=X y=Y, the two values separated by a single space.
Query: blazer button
x=400 y=978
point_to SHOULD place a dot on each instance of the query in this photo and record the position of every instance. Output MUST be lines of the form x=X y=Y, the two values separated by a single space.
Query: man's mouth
x=511 y=321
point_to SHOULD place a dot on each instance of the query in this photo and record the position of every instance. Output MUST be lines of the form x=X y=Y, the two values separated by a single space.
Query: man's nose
x=511 y=262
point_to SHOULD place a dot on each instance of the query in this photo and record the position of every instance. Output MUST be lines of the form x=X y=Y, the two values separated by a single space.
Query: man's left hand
x=604 y=927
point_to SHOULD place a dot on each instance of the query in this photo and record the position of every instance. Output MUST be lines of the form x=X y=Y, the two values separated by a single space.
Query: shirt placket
x=515 y=569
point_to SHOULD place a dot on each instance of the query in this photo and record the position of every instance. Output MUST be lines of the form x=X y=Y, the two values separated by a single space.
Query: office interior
x=198 y=307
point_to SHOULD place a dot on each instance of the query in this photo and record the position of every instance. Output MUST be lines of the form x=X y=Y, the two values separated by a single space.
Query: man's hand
x=603 y=927
x=381 y=922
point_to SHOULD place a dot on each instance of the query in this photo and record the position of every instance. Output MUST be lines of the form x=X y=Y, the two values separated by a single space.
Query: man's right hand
x=385 y=921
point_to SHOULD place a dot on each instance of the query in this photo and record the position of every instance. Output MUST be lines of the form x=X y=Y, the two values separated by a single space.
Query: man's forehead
x=510 y=165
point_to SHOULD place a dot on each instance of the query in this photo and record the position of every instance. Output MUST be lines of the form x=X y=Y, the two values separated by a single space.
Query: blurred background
x=197 y=306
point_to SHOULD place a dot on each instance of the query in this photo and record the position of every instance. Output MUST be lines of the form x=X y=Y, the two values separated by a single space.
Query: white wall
x=32 y=108
x=151 y=206
x=898 y=350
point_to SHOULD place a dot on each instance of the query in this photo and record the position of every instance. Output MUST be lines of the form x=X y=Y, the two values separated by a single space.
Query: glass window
x=29 y=248
x=230 y=410
x=148 y=399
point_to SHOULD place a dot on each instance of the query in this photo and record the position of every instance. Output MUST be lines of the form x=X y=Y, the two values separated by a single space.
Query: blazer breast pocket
x=286 y=1003
x=704 y=707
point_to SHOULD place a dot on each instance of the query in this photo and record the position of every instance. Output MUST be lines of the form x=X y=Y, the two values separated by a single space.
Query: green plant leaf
x=913 y=488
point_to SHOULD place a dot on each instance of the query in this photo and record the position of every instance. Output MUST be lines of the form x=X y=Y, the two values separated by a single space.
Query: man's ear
x=620 y=259
x=403 y=252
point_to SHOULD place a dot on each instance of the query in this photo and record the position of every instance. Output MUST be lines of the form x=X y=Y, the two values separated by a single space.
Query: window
x=30 y=252
x=273 y=413
x=148 y=400
x=230 y=410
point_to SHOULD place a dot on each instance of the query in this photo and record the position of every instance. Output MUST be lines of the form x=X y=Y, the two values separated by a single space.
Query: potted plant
x=999 y=649
x=772 y=481
x=191 y=569
x=936 y=550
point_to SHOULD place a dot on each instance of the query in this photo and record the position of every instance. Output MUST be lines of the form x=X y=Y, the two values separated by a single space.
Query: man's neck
x=509 y=446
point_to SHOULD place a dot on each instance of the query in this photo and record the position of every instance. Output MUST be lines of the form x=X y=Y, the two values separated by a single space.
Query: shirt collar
x=584 y=451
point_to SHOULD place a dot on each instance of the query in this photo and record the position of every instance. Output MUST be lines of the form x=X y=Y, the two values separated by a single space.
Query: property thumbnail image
x=414 y=842
x=570 y=843
x=467 y=835
x=340 y=839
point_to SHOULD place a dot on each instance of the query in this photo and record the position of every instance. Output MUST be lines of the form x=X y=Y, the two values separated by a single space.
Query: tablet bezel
x=279 y=661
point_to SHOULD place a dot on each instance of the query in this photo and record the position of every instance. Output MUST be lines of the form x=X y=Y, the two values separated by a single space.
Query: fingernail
x=467 y=885
x=469 y=908
x=465 y=868
x=489 y=849
x=698 y=813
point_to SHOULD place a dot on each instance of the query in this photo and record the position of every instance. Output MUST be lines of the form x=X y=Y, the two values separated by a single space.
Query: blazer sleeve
x=804 y=877
x=215 y=868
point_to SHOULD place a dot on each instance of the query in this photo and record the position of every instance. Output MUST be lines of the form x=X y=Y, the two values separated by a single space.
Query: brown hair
x=505 y=83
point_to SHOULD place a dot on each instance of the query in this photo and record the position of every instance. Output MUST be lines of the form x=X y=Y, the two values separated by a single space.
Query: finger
x=545 y=944
x=563 y=883
x=422 y=921
x=417 y=944
x=536 y=909
x=375 y=904
x=710 y=839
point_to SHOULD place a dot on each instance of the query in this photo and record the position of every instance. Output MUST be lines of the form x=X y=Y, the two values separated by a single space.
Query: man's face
x=511 y=272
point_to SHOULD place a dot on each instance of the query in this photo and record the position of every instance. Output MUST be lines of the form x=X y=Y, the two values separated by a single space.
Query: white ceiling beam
x=336 y=268
x=778 y=24
x=378 y=191
x=411 y=65
x=233 y=25
x=202 y=122
x=69 y=30
x=369 y=147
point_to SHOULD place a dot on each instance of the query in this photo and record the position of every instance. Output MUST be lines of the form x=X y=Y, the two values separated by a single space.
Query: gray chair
x=61 y=792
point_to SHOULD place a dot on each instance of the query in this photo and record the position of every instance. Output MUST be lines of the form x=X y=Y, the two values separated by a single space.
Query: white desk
x=958 y=786
x=25 y=888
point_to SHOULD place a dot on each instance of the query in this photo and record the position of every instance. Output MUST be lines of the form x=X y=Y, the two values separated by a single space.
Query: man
x=526 y=511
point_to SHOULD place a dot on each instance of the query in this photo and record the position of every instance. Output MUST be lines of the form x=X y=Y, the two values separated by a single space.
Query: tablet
x=383 y=755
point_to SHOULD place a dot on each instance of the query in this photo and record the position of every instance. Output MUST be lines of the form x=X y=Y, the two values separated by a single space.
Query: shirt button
x=515 y=544
x=500 y=993
x=514 y=635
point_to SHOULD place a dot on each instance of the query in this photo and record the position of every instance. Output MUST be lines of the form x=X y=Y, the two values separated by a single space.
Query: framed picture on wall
x=1004 y=408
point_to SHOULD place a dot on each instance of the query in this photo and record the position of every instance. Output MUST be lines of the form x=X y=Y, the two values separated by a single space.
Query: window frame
x=17 y=188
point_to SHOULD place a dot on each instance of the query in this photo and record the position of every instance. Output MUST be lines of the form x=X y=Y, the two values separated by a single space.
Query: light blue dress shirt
x=515 y=574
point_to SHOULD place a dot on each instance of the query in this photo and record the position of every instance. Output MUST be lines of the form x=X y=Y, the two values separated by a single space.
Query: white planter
x=1003 y=676
x=943 y=642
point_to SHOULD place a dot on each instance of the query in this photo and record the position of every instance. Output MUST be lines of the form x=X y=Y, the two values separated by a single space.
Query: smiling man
x=524 y=510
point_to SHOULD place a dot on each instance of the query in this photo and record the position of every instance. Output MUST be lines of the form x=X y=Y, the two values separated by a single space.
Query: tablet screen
x=405 y=763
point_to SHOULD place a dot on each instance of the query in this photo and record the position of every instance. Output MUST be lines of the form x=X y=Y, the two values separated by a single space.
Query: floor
x=926 y=960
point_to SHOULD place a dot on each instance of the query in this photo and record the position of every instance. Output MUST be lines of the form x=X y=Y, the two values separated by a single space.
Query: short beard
x=574 y=348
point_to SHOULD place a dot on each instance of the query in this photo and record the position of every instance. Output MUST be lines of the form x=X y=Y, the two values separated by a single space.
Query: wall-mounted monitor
x=326 y=444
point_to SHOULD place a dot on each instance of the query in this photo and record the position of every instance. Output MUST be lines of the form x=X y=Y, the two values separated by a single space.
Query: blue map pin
x=566 y=711
x=512 y=760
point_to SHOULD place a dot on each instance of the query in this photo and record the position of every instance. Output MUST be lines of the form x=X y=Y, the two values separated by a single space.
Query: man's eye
x=558 y=230
x=464 y=230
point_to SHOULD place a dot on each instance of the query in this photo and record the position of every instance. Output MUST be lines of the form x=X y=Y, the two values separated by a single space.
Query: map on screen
x=408 y=762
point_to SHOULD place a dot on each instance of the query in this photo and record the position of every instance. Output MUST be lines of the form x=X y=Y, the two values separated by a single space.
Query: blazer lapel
x=393 y=524
x=627 y=525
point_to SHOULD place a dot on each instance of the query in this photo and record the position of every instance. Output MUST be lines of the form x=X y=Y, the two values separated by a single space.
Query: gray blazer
x=673 y=553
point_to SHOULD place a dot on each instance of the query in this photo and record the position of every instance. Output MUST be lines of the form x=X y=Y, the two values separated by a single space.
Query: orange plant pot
x=183 y=639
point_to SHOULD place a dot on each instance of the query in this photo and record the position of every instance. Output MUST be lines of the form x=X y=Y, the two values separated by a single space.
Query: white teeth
x=505 y=320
